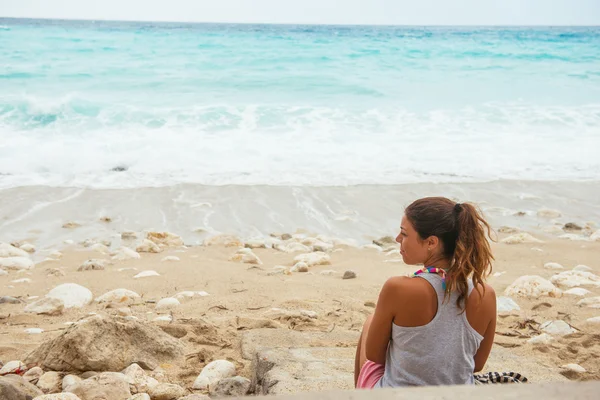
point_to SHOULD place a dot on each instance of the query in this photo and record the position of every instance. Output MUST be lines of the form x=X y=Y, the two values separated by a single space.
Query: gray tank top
x=439 y=353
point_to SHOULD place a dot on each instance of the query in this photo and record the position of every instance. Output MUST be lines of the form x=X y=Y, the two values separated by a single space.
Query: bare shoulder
x=483 y=295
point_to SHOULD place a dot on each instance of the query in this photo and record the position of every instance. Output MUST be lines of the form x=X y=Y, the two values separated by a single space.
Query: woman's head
x=436 y=229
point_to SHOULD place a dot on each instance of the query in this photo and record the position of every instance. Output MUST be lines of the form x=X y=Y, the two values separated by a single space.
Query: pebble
x=28 y=247
x=190 y=294
x=370 y=304
x=577 y=292
x=246 y=256
x=583 y=268
x=163 y=318
x=34 y=374
x=592 y=302
x=146 y=274
x=128 y=235
x=70 y=380
x=553 y=265
x=120 y=296
x=100 y=248
x=170 y=258
x=236 y=386
x=548 y=213
x=22 y=280
x=557 y=327
x=92 y=265
x=574 y=367
x=279 y=270
x=349 y=275
x=506 y=305
x=16 y=263
x=255 y=244
x=148 y=246
x=71 y=225
x=212 y=373
x=593 y=320
x=312 y=259
x=34 y=331
x=299 y=267
x=125 y=253
x=166 y=304
x=522 y=237
x=72 y=295
x=8 y=250
x=166 y=391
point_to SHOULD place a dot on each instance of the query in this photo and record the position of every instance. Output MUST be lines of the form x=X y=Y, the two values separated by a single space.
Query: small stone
x=349 y=275
x=166 y=391
x=146 y=274
x=56 y=255
x=106 y=219
x=163 y=318
x=190 y=294
x=505 y=305
x=16 y=263
x=72 y=295
x=279 y=270
x=522 y=237
x=577 y=291
x=508 y=229
x=165 y=239
x=558 y=327
x=583 y=268
x=553 y=265
x=148 y=246
x=119 y=296
x=34 y=331
x=548 y=213
x=55 y=272
x=544 y=338
x=106 y=385
x=292 y=247
x=127 y=235
x=139 y=381
x=212 y=373
x=299 y=267
x=28 y=247
x=10 y=300
x=71 y=225
x=8 y=250
x=246 y=256
x=321 y=246
x=571 y=226
x=50 y=382
x=13 y=367
x=574 y=367
x=22 y=280
x=92 y=265
x=170 y=259
x=167 y=304
x=125 y=253
x=255 y=244
x=385 y=241
x=46 y=305
x=70 y=380
x=236 y=386
x=33 y=375
x=313 y=259
x=593 y=320
x=592 y=302
x=370 y=304
x=100 y=248
x=124 y=311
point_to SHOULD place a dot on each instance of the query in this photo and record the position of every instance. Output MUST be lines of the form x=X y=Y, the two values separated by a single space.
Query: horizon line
x=295 y=23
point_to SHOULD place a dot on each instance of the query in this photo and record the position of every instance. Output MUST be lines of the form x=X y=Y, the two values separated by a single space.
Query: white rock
x=312 y=259
x=170 y=259
x=57 y=255
x=68 y=241
x=16 y=263
x=58 y=396
x=532 y=286
x=70 y=380
x=128 y=235
x=33 y=374
x=321 y=246
x=592 y=302
x=50 y=382
x=125 y=253
x=189 y=294
x=22 y=280
x=28 y=247
x=145 y=274
x=569 y=279
x=213 y=373
x=166 y=304
x=583 y=268
x=522 y=237
x=8 y=250
x=165 y=239
x=92 y=265
x=120 y=296
x=255 y=244
x=299 y=267
x=3 y=272
x=574 y=367
x=223 y=240
x=557 y=327
x=555 y=229
x=593 y=320
x=12 y=367
x=500 y=273
x=292 y=247
x=246 y=256
x=544 y=338
x=548 y=213
x=372 y=246
x=100 y=248
x=506 y=305
x=139 y=380
x=34 y=331
x=163 y=318
x=595 y=237
x=577 y=291
x=553 y=265
x=148 y=246
x=46 y=305
x=141 y=396
x=72 y=295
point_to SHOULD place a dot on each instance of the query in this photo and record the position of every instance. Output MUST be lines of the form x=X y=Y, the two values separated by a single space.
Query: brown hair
x=461 y=229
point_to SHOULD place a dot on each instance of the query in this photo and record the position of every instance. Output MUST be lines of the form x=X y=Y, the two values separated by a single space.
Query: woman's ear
x=432 y=242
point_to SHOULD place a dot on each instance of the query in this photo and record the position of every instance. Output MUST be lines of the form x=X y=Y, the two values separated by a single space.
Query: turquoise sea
x=124 y=104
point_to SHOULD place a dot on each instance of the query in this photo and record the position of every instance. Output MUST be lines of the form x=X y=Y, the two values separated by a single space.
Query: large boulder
x=107 y=343
x=15 y=387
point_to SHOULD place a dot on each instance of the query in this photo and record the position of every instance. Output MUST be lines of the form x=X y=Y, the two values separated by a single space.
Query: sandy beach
x=233 y=293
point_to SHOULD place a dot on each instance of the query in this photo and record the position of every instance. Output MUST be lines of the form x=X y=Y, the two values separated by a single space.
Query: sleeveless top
x=439 y=353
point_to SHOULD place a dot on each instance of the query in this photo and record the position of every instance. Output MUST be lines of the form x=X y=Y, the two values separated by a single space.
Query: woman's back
x=439 y=352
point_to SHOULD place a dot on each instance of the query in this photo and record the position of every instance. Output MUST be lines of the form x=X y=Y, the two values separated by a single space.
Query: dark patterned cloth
x=499 y=377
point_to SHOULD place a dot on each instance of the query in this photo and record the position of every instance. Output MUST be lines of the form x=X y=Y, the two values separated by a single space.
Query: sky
x=389 y=12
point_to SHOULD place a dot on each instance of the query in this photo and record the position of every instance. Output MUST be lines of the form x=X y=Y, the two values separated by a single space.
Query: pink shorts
x=370 y=374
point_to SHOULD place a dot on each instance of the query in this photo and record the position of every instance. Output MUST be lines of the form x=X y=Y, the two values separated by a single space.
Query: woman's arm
x=381 y=326
x=489 y=308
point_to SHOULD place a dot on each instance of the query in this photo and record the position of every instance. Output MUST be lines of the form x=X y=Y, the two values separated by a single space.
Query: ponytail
x=464 y=234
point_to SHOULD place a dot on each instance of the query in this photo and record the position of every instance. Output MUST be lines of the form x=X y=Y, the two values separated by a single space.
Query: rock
x=125 y=253
x=33 y=375
x=508 y=229
x=595 y=237
x=532 y=286
x=312 y=259
x=593 y=320
x=292 y=247
x=16 y=263
x=72 y=295
x=15 y=387
x=8 y=250
x=548 y=213
x=69 y=380
x=28 y=247
x=255 y=244
x=170 y=259
x=544 y=338
x=57 y=255
x=370 y=304
x=10 y=300
x=569 y=279
x=146 y=274
x=148 y=246
x=58 y=396
x=34 y=331
x=279 y=270
x=372 y=247
x=165 y=239
x=117 y=343
x=522 y=237
x=212 y=373
x=22 y=280
x=71 y=225
x=224 y=240
x=553 y=265
x=571 y=226
x=246 y=256
x=140 y=382
x=127 y=235
x=104 y=386
x=13 y=367
x=100 y=248
x=195 y=397
x=576 y=292
x=321 y=246
x=50 y=382
x=46 y=305
x=140 y=396
x=166 y=304
x=574 y=367
x=349 y=275
x=92 y=264
x=558 y=327
x=592 y=302
x=385 y=241
x=119 y=296
x=3 y=272
x=299 y=267
x=190 y=294
x=506 y=305
x=236 y=386
x=166 y=391
x=163 y=318
x=583 y=268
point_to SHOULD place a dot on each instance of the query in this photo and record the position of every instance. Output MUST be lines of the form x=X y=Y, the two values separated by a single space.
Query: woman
x=432 y=328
